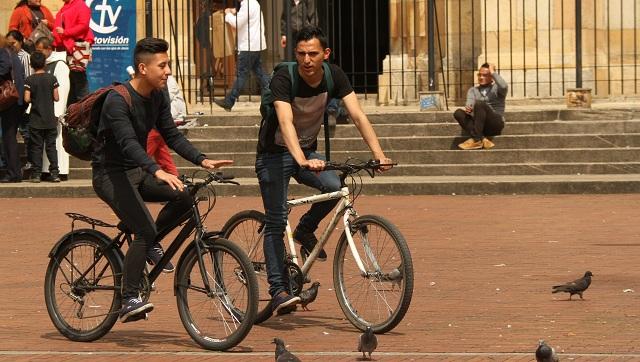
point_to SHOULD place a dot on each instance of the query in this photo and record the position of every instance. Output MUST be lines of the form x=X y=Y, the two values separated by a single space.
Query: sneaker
x=55 y=179
x=487 y=144
x=35 y=179
x=308 y=241
x=470 y=144
x=134 y=309
x=223 y=104
x=284 y=303
x=155 y=254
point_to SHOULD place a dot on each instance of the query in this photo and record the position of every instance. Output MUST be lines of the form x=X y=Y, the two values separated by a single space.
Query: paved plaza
x=484 y=267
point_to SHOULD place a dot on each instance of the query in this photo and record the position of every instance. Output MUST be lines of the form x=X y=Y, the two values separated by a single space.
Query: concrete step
x=389 y=185
x=443 y=142
x=380 y=115
x=450 y=169
x=495 y=156
x=435 y=129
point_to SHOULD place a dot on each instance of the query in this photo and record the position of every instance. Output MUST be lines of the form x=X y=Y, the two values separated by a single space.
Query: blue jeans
x=247 y=61
x=274 y=171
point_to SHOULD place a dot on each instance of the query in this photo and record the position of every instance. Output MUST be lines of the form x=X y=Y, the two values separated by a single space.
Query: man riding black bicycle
x=124 y=176
x=291 y=152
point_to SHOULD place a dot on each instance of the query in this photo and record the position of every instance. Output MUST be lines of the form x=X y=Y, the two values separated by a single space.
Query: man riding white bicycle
x=291 y=152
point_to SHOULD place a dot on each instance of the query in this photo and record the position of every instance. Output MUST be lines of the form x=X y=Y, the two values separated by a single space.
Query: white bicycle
x=372 y=267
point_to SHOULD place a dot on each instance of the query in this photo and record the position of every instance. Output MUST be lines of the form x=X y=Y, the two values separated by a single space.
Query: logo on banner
x=108 y=17
x=107 y=22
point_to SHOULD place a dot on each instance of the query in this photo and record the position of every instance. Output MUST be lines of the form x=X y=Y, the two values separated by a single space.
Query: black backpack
x=269 y=123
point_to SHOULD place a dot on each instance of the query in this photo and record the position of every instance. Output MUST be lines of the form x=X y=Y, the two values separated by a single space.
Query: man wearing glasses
x=483 y=114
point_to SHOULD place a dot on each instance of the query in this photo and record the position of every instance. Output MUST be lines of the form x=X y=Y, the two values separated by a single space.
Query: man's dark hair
x=37 y=60
x=309 y=32
x=16 y=35
x=148 y=46
x=44 y=41
x=485 y=65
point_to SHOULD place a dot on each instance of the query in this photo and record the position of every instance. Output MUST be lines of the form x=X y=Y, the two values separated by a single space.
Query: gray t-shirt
x=494 y=94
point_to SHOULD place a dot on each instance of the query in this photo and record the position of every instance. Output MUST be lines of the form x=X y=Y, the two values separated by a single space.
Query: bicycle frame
x=344 y=209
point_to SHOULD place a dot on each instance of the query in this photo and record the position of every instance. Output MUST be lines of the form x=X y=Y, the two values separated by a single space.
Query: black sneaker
x=284 y=304
x=134 y=309
x=223 y=104
x=55 y=179
x=308 y=241
x=155 y=254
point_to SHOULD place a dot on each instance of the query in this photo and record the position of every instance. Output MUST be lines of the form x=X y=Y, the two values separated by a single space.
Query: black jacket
x=304 y=14
x=10 y=67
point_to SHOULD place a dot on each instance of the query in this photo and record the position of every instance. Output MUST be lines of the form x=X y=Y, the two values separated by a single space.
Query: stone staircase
x=543 y=151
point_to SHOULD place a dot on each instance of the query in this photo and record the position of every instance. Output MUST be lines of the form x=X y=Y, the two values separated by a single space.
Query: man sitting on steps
x=483 y=113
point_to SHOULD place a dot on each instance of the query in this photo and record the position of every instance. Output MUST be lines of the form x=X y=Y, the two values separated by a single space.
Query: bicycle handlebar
x=218 y=177
x=348 y=168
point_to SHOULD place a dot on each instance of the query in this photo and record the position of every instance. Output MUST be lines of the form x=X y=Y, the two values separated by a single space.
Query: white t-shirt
x=250 y=25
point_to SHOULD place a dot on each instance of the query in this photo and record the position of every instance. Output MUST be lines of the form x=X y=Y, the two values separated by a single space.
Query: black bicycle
x=215 y=282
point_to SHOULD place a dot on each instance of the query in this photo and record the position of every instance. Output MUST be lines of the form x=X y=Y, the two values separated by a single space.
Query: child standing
x=41 y=90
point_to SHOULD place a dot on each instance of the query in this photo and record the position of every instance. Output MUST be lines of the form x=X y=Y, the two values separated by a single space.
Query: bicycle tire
x=380 y=308
x=70 y=261
x=239 y=307
x=245 y=229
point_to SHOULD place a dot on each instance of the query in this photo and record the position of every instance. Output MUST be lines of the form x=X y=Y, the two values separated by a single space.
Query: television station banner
x=113 y=23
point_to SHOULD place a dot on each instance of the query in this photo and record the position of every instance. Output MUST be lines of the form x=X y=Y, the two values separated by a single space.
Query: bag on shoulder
x=8 y=91
x=40 y=31
x=80 y=123
x=269 y=122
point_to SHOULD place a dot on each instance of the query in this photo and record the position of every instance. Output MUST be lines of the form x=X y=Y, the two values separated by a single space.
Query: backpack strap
x=329 y=81
x=295 y=78
x=124 y=92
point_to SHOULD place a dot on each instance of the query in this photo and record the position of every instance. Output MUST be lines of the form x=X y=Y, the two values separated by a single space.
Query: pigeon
x=368 y=342
x=282 y=355
x=309 y=295
x=544 y=353
x=395 y=277
x=577 y=286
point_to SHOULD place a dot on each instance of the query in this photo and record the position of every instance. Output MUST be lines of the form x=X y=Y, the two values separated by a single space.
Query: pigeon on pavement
x=309 y=295
x=577 y=286
x=282 y=355
x=544 y=353
x=368 y=342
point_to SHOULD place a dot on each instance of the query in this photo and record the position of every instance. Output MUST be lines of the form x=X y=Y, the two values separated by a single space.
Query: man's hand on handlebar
x=313 y=165
x=385 y=164
x=212 y=164
x=171 y=180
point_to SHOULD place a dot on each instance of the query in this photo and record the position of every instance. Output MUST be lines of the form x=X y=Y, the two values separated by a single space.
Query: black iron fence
x=394 y=49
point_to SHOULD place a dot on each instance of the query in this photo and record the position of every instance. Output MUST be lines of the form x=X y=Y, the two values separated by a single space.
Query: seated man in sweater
x=483 y=114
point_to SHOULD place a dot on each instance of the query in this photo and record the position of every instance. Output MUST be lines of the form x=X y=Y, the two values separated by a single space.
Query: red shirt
x=22 y=19
x=74 y=18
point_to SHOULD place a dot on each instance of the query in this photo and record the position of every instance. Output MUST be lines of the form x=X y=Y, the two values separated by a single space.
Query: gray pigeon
x=282 y=355
x=544 y=353
x=309 y=295
x=395 y=277
x=577 y=286
x=368 y=342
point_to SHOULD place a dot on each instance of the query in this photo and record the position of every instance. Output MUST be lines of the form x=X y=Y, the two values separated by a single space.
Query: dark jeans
x=44 y=139
x=23 y=126
x=125 y=192
x=10 y=118
x=79 y=86
x=247 y=61
x=274 y=171
x=483 y=121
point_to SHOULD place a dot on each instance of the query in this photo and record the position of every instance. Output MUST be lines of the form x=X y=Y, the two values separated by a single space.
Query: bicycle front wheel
x=217 y=301
x=81 y=288
x=245 y=229
x=381 y=298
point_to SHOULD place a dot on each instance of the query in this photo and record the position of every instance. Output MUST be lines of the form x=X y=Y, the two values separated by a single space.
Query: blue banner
x=113 y=23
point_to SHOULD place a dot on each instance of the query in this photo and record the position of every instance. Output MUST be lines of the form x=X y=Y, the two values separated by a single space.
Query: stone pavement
x=484 y=266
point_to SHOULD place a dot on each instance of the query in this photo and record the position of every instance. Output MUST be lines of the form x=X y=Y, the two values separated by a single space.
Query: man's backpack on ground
x=269 y=124
x=80 y=123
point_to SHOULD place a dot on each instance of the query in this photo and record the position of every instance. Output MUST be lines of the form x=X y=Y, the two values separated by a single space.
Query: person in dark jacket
x=11 y=68
x=296 y=14
x=124 y=176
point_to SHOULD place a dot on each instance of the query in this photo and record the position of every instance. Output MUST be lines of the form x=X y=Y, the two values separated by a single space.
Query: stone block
x=578 y=98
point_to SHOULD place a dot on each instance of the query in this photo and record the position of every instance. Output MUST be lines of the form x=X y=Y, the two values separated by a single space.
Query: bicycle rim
x=81 y=289
x=381 y=299
x=219 y=320
x=245 y=229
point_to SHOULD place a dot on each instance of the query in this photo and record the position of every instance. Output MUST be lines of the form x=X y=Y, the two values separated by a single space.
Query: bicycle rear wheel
x=381 y=298
x=222 y=317
x=82 y=289
x=245 y=229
